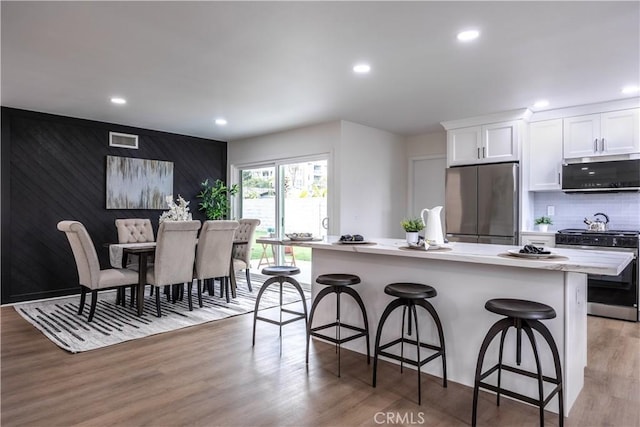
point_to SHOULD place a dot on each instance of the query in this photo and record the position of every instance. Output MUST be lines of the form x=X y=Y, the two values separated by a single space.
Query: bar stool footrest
x=411 y=362
x=519 y=396
x=285 y=310
x=343 y=325
x=412 y=342
x=284 y=322
x=519 y=371
x=361 y=333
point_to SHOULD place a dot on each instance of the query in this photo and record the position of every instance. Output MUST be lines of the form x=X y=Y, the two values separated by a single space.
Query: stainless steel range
x=608 y=296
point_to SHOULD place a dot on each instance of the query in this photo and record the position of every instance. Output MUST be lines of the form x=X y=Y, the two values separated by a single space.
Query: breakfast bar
x=465 y=276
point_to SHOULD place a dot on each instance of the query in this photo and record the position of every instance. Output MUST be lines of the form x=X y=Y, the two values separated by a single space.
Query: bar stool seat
x=522 y=315
x=280 y=274
x=522 y=309
x=338 y=284
x=410 y=290
x=408 y=296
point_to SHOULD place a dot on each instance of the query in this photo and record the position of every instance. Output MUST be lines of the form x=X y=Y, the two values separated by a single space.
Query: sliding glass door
x=288 y=196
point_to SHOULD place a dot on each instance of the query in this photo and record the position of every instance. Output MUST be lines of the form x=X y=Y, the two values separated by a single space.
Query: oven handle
x=600 y=248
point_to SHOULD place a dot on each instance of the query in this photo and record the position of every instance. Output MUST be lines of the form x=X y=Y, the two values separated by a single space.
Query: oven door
x=615 y=290
x=614 y=296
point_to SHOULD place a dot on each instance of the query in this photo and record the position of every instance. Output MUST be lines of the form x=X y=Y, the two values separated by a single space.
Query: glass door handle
x=325 y=223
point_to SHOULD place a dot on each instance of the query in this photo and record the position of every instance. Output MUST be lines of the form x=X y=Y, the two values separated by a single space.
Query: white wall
x=317 y=139
x=373 y=181
x=367 y=172
x=427 y=144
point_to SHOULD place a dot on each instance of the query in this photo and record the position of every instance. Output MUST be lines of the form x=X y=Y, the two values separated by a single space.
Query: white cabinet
x=606 y=134
x=545 y=155
x=545 y=240
x=497 y=142
x=463 y=145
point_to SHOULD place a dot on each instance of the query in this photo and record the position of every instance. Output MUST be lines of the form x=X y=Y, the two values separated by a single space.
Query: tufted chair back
x=242 y=253
x=215 y=244
x=245 y=231
x=175 y=253
x=134 y=230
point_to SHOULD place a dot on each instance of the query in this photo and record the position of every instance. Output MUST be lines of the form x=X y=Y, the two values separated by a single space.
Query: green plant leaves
x=215 y=199
x=412 y=224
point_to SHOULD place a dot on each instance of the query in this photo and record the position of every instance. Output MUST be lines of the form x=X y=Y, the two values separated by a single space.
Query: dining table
x=118 y=253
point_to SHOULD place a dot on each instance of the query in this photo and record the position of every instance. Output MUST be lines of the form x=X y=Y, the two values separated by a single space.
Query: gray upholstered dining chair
x=213 y=255
x=89 y=274
x=134 y=230
x=242 y=253
x=174 y=257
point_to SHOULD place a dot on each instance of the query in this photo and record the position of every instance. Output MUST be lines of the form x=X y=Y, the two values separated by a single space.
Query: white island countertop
x=608 y=263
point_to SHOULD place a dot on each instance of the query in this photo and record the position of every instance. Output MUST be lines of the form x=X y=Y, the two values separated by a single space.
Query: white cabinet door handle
x=595 y=145
x=602 y=148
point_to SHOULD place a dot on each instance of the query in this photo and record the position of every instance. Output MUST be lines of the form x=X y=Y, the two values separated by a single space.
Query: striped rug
x=112 y=324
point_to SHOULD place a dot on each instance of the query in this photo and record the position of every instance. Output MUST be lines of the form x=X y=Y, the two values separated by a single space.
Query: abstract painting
x=138 y=183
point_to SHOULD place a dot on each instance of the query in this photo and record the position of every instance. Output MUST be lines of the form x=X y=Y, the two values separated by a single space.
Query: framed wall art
x=138 y=183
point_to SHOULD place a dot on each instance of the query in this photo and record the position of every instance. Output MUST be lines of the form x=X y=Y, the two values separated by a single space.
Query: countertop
x=608 y=263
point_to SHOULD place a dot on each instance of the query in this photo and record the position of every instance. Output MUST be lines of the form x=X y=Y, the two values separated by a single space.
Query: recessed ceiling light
x=362 y=68
x=468 y=35
x=541 y=103
x=118 y=100
x=221 y=122
x=627 y=90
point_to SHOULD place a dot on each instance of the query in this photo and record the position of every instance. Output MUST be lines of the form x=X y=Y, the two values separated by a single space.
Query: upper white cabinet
x=606 y=134
x=496 y=142
x=463 y=145
x=545 y=155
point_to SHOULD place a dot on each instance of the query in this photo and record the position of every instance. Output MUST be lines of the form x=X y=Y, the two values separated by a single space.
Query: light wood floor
x=210 y=375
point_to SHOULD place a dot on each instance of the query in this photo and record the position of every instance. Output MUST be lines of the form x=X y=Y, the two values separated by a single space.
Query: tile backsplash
x=623 y=209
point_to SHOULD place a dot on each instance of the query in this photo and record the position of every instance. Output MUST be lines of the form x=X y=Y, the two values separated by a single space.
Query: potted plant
x=543 y=223
x=215 y=199
x=412 y=226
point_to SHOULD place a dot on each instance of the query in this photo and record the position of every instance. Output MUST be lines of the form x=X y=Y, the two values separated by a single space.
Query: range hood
x=611 y=176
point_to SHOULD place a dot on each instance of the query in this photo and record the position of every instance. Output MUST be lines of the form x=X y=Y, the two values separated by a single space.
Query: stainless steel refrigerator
x=481 y=204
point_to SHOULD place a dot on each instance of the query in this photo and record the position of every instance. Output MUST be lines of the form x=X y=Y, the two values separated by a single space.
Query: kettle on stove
x=432 y=225
x=597 y=224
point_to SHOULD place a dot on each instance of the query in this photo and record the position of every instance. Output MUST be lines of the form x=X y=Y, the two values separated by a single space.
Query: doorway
x=427 y=184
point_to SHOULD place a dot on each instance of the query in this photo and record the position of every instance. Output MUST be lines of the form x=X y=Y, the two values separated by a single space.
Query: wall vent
x=123 y=140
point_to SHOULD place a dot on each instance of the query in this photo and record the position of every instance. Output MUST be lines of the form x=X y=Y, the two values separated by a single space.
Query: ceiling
x=271 y=66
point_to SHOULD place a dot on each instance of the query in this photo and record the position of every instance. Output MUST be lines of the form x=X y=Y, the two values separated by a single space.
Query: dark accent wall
x=53 y=168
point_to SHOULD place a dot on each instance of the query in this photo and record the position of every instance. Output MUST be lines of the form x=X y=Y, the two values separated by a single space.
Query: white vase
x=433 y=225
x=412 y=238
x=543 y=227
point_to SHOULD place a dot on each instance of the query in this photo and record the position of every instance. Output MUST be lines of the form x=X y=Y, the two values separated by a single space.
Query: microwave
x=612 y=176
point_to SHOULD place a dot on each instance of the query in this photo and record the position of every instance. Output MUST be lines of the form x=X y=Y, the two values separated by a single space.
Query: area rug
x=58 y=319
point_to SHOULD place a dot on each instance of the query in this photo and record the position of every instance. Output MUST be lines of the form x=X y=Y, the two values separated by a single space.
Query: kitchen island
x=465 y=276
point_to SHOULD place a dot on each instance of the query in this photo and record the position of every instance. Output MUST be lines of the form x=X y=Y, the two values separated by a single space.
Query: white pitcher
x=433 y=225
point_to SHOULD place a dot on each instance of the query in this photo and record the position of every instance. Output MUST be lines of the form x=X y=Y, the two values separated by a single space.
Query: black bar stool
x=526 y=315
x=338 y=284
x=410 y=295
x=281 y=274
